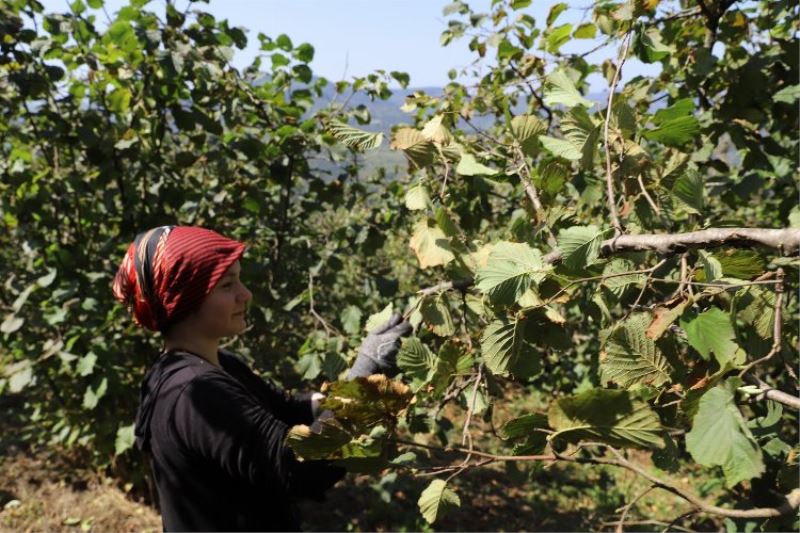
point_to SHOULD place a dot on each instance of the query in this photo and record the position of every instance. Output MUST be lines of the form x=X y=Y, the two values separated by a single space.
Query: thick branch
x=787 y=240
x=774 y=394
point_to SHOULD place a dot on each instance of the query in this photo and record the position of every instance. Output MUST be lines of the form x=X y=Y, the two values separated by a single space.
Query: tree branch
x=789 y=504
x=786 y=240
x=612 y=204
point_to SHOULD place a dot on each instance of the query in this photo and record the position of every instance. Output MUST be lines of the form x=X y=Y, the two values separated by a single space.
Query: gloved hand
x=378 y=352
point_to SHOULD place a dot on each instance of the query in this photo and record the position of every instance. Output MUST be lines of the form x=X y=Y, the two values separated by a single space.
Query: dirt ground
x=35 y=495
x=43 y=492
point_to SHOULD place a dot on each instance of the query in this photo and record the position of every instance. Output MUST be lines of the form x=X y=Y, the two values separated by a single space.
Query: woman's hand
x=378 y=352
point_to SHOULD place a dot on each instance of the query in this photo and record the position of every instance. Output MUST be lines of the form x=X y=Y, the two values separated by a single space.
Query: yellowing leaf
x=435 y=132
x=417 y=198
x=431 y=245
x=415 y=146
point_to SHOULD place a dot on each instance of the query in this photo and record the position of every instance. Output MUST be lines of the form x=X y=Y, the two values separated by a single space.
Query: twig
x=647 y=195
x=788 y=506
x=612 y=206
x=620 y=524
x=471 y=408
x=649 y=523
x=644 y=287
x=533 y=195
x=771 y=393
x=678 y=519
x=329 y=329
x=674 y=16
x=536 y=96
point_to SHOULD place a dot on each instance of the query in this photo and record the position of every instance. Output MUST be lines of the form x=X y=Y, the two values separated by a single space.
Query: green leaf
x=557 y=37
x=555 y=11
x=648 y=47
x=93 y=395
x=510 y=270
x=711 y=332
x=125 y=439
x=351 y=319
x=608 y=415
x=417 y=149
x=526 y=129
x=379 y=318
x=585 y=31
x=417 y=198
x=742 y=264
x=436 y=499
x=431 y=245
x=720 y=437
x=580 y=130
x=630 y=357
x=436 y=315
x=674 y=132
x=787 y=94
x=446 y=222
x=469 y=166
x=85 y=365
x=524 y=425
x=304 y=53
x=119 y=100
x=560 y=90
x=309 y=365
x=561 y=148
x=756 y=305
x=675 y=125
x=711 y=266
x=505 y=342
x=354 y=137
x=414 y=358
x=579 y=246
x=450 y=360
x=617 y=283
x=688 y=189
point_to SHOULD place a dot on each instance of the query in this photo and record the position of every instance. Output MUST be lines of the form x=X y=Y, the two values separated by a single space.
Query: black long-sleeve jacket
x=215 y=439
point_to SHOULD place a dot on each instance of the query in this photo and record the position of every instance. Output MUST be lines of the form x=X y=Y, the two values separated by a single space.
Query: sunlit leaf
x=606 y=415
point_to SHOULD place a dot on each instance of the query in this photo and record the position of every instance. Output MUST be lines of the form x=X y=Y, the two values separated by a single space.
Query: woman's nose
x=246 y=294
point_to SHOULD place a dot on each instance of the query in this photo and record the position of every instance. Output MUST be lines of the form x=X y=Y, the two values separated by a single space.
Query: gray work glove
x=378 y=352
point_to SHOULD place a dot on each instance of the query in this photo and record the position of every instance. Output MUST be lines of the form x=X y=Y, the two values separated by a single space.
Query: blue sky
x=355 y=37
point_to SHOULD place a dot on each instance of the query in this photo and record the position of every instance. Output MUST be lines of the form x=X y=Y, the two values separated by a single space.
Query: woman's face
x=222 y=311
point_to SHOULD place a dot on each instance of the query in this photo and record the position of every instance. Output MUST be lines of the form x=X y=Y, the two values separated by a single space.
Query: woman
x=213 y=429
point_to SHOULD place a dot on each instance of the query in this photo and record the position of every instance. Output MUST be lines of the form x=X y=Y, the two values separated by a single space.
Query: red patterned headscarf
x=169 y=270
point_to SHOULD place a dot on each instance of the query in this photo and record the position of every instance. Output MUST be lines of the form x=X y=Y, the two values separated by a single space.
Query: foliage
x=637 y=352
x=108 y=132
x=505 y=211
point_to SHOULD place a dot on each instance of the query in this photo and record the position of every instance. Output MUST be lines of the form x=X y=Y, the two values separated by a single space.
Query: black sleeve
x=217 y=419
x=289 y=409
